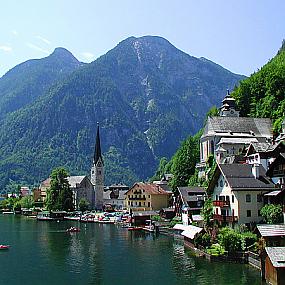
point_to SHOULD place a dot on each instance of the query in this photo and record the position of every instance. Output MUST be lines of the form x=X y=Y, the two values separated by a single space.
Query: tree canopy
x=59 y=195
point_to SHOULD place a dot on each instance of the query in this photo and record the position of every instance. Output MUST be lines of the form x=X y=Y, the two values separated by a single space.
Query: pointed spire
x=97 y=153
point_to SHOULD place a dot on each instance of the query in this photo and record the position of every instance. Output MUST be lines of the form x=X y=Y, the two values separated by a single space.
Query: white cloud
x=46 y=41
x=6 y=48
x=88 y=56
x=15 y=33
x=35 y=47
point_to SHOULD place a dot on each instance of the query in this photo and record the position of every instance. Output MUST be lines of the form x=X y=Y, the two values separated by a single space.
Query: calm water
x=43 y=253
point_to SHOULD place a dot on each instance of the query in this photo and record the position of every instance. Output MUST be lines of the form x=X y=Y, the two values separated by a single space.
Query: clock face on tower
x=99 y=164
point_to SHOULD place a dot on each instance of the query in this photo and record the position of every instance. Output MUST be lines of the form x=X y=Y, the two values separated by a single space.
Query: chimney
x=255 y=170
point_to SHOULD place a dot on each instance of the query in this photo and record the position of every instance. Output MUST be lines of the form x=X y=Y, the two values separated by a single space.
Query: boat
x=73 y=230
x=4 y=246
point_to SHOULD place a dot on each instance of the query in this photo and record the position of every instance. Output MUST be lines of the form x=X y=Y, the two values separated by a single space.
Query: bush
x=249 y=238
x=175 y=221
x=230 y=239
x=216 y=249
x=203 y=240
x=156 y=218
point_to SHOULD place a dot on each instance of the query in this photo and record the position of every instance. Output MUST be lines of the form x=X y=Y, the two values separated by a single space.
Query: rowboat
x=4 y=246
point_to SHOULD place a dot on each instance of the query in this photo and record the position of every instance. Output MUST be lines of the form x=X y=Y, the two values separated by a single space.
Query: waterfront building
x=275 y=265
x=227 y=135
x=189 y=202
x=238 y=191
x=146 y=197
x=114 y=196
x=97 y=173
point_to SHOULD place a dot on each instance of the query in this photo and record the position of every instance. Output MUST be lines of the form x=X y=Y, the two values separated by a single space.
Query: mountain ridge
x=147 y=95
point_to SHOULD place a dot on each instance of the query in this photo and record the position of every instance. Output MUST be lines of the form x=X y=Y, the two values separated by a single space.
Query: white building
x=237 y=193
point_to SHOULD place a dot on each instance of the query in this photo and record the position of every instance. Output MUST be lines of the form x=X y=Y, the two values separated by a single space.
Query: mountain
x=147 y=95
x=31 y=79
x=263 y=93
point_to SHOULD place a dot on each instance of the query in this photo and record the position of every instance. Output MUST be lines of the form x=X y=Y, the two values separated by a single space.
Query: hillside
x=263 y=93
x=147 y=95
x=31 y=79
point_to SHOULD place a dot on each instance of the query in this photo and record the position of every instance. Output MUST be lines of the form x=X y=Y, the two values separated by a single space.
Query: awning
x=191 y=231
x=273 y=193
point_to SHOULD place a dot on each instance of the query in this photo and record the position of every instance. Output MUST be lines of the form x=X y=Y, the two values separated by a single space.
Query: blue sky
x=239 y=35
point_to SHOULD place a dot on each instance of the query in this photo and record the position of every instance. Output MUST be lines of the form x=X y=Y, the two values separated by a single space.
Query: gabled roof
x=187 y=193
x=149 y=188
x=271 y=230
x=276 y=256
x=264 y=147
x=279 y=159
x=74 y=180
x=240 y=177
x=250 y=127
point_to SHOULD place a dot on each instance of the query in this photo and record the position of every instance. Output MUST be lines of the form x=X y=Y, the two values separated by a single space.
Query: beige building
x=237 y=193
x=147 y=197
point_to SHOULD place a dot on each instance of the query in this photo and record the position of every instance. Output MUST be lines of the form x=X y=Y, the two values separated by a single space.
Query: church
x=97 y=173
x=226 y=135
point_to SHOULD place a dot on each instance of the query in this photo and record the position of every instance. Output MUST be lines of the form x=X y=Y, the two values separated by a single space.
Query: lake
x=43 y=253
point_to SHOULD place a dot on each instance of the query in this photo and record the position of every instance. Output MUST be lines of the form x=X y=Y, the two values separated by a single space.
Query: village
x=224 y=221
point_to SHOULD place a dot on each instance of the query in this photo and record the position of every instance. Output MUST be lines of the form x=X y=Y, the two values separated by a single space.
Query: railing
x=222 y=218
x=137 y=198
x=221 y=204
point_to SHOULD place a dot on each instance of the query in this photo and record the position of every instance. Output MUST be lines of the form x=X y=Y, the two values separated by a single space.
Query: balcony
x=136 y=198
x=222 y=218
x=221 y=204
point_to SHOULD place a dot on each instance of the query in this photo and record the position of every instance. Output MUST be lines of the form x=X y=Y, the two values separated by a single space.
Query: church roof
x=97 y=153
x=74 y=180
x=238 y=126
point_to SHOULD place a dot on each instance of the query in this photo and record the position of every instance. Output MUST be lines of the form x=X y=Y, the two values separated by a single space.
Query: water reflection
x=104 y=254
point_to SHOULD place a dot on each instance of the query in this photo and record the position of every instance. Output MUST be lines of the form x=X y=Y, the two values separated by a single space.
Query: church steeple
x=97 y=173
x=97 y=152
x=228 y=108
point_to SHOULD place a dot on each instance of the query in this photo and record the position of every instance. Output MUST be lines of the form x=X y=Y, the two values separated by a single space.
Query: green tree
x=272 y=214
x=59 y=195
x=207 y=213
x=184 y=161
x=83 y=205
x=27 y=202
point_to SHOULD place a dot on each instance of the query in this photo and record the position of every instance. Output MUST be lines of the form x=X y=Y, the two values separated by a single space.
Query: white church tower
x=97 y=173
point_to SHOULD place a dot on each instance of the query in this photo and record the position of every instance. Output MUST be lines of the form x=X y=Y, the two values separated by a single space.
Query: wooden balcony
x=222 y=218
x=221 y=204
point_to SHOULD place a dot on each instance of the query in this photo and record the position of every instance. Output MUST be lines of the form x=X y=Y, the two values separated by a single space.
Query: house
x=24 y=191
x=142 y=218
x=115 y=196
x=237 y=193
x=263 y=153
x=146 y=197
x=189 y=203
x=274 y=235
x=226 y=135
x=44 y=186
x=276 y=170
x=275 y=265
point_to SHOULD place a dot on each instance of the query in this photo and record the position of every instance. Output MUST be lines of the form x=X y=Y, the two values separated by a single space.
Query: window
x=233 y=198
x=248 y=198
x=259 y=214
x=221 y=183
x=259 y=198
x=148 y=204
x=248 y=213
x=217 y=197
x=140 y=203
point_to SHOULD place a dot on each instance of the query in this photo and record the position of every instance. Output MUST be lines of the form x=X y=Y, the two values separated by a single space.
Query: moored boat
x=2 y=246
